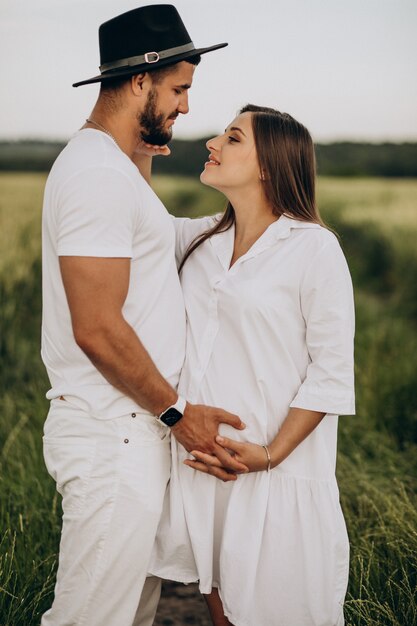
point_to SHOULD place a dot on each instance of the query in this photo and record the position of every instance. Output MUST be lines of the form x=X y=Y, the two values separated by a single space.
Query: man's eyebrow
x=185 y=86
x=236 y=128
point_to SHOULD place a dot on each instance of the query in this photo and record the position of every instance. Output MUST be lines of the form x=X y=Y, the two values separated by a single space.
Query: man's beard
x=152 y=123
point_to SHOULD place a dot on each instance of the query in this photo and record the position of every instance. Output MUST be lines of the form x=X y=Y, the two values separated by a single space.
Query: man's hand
x=252 y=455
x=198 y=429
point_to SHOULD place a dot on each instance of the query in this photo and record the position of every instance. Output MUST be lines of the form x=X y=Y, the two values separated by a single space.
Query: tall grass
x=377 y=460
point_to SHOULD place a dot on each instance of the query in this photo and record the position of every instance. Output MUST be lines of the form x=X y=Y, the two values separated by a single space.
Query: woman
x=270 y=337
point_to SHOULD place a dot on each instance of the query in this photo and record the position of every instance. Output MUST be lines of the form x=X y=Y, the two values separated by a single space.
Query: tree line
x=188 y=157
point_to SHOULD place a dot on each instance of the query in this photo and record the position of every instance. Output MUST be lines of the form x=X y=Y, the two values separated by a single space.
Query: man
x=113 y=329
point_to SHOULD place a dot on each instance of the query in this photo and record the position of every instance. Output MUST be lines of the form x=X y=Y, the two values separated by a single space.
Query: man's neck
x=119 y=126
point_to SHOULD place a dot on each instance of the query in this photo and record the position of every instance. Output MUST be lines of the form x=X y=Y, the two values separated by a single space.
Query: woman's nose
x=211 y=144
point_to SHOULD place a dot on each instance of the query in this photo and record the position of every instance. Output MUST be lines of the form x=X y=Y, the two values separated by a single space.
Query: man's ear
x=140 y=83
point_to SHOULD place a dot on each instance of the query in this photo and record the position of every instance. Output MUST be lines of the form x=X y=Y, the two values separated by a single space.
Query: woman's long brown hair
x=287 y=161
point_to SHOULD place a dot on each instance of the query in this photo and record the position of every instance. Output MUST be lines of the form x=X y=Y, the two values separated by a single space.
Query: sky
x=347 y=69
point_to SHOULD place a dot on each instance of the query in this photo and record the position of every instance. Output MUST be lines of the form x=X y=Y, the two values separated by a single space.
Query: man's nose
x=183 y=107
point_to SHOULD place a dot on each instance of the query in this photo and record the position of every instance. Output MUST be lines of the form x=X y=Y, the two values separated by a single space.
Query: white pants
x=112 y=475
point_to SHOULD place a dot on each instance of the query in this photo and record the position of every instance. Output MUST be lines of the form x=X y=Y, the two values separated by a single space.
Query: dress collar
x=223 y=243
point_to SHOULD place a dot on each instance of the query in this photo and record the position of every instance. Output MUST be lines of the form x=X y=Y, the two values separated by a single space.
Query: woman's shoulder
x=321 y=254
x=188 y=228
x=315 y=236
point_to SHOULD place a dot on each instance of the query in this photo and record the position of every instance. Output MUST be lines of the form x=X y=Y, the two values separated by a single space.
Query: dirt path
x=180 y=605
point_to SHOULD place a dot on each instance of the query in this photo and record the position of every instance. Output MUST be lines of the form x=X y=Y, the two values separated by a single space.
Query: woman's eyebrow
x=235 y=128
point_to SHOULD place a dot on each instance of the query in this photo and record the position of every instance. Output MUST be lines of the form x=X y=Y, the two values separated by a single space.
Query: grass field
x=377 y=463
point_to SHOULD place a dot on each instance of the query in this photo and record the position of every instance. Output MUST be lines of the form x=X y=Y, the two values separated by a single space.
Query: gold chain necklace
x=103 y=129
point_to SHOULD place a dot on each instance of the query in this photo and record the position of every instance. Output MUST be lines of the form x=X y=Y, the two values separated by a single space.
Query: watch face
x=171 y=417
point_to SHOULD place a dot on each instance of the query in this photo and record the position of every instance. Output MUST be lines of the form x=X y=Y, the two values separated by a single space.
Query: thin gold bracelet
x=268 y=469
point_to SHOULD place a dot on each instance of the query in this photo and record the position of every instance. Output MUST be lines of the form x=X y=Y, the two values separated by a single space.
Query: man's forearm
x=121 y=358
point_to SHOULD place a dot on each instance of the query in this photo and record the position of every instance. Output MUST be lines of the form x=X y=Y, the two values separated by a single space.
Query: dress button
x=133 y=414
x=126 y=440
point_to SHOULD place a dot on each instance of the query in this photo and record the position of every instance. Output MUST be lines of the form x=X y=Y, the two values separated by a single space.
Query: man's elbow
x=91 y=338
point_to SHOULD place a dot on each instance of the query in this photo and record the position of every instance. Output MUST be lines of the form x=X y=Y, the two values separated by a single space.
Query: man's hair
x=158 y=75
x=110 y=90
x=110 y=93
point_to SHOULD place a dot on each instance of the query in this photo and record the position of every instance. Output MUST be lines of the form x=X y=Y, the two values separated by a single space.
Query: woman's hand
x=252 y=455
x=143 y=154
x=298 y=425
x=144 y=149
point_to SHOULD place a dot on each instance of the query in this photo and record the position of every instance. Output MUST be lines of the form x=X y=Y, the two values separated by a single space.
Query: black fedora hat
x=142 y=40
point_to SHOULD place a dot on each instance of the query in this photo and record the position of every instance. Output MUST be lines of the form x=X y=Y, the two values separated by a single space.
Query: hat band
x=149 y=57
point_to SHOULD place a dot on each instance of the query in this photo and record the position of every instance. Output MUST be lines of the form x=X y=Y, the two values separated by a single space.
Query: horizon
x=371 y=142
x=345 y=70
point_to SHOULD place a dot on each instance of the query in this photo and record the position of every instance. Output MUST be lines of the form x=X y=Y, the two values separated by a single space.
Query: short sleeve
x=187 y=229
x=96 y=214
x=326 y=297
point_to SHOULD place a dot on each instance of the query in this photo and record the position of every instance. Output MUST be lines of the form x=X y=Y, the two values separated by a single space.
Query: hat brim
x=146 y=67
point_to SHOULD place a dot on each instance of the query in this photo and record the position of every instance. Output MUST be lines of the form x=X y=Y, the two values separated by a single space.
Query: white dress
x=274 y=331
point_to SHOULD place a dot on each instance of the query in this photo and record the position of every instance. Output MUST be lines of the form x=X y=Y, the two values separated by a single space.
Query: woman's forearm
x=144 y=164
x=298 y=424
x=143 y=155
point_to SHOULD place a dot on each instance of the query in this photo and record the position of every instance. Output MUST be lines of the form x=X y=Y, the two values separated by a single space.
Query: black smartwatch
x=173 y=413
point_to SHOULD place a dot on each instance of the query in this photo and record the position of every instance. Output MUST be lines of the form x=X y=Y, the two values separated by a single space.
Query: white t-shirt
x=97 y=204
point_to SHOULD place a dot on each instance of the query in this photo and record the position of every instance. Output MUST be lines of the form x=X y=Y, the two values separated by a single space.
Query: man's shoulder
x=91 y=156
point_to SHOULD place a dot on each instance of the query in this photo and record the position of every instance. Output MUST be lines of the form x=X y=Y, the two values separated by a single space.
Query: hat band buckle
x=154 y=59
x=149 y=57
